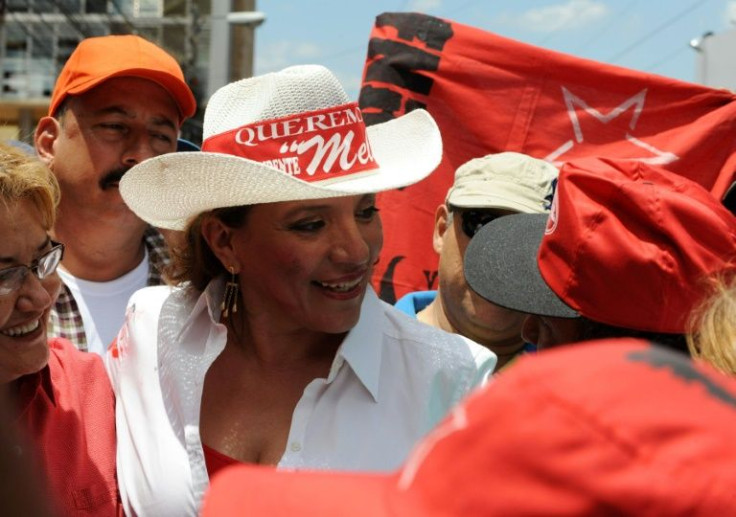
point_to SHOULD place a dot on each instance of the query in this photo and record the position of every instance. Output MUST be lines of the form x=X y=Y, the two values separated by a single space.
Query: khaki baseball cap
x=506 y=181
x=95 y=60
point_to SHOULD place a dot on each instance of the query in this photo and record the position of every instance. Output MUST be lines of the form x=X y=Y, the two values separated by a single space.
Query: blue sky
x=648 y=35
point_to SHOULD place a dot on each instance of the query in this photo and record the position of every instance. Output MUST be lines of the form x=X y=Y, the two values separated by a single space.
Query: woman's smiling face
x=306 y=264
x=24 y=312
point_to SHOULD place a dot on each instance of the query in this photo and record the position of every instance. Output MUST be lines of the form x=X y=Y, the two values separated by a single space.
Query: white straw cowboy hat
x=285 y=136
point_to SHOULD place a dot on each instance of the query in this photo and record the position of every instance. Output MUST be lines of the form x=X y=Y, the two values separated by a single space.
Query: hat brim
x=501 y=266
x=257 y=490
x=168 y=190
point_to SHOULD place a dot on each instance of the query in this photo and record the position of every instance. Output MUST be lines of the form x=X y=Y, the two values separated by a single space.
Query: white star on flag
x=636 y=102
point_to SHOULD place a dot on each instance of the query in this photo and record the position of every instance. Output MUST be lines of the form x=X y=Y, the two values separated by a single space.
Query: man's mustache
x=111 y=179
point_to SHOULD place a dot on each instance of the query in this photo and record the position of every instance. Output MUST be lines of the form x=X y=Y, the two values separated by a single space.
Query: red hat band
x=318 y=146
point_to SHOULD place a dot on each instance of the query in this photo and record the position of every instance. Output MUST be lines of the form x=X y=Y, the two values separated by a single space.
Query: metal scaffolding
x=37 y=37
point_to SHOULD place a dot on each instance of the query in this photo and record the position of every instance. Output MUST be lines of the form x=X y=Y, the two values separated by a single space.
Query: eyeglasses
x=476 y=218
x=12 y=278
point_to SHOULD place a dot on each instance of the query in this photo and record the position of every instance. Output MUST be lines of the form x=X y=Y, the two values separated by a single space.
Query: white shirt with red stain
x=392 y=380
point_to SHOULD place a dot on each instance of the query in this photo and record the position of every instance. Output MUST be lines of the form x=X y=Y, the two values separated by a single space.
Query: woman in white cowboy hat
x=272 y=348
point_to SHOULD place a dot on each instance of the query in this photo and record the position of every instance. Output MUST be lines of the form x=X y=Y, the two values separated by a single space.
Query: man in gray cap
x=484 y=189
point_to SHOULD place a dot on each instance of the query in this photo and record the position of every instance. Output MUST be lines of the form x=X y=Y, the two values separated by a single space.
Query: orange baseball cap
x=95 y=60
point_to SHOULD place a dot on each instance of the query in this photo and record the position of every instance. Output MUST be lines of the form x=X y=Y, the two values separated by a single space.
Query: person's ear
x=219 y=237
x=442 y=222
x=47 y=131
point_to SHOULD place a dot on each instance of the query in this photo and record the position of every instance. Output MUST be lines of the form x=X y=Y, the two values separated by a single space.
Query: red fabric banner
x=490 y=94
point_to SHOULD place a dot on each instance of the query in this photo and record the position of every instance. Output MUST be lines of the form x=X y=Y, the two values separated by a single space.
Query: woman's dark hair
x=192 y=260
x=594 y=330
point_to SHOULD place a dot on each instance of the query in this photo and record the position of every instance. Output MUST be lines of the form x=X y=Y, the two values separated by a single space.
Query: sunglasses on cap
x=12 y=278
x=473 y=219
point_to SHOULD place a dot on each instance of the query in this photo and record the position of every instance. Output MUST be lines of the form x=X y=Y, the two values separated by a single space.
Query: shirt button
x=296 y=446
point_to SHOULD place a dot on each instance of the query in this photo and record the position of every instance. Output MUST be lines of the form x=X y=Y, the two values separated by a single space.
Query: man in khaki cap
x=484 y=189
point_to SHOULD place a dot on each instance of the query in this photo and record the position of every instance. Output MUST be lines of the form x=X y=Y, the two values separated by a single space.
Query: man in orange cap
x=118 y=101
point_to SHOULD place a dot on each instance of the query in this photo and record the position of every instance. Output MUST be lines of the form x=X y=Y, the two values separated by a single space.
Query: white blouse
x=392 y=379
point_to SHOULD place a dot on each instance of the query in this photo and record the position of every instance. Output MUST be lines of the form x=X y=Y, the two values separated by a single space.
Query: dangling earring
x=230 y=300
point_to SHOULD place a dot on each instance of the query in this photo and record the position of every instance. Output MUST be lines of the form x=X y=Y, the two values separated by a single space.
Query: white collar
x=361 y=348
x=363 y=345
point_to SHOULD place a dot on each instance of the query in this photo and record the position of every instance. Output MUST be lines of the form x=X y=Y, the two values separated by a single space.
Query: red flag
x=491 y=94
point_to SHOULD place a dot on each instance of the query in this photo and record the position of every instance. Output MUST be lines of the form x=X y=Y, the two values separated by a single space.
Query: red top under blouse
x=216 y=461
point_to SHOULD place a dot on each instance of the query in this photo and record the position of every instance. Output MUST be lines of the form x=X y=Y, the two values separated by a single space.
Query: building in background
x=716 y=66
x=37 y=36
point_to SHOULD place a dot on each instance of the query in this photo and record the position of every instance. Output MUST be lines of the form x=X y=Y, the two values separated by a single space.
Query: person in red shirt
x=60 y=399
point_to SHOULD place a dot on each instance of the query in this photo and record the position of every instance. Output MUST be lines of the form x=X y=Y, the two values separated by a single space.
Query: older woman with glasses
x=273 y=349
x=60 y=398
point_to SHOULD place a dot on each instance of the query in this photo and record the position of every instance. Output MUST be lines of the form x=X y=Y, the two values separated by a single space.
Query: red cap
x=609 y=427
x=98 y=59
x=632 y=245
